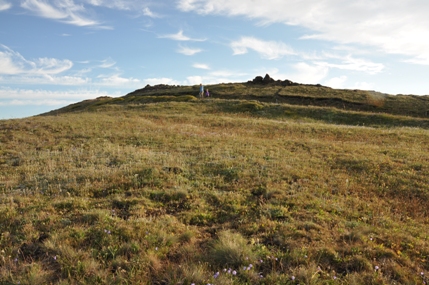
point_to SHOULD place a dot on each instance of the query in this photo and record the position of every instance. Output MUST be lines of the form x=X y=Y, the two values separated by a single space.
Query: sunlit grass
x=238 y=192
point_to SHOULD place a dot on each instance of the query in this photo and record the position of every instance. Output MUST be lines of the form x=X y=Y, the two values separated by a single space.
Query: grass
x=297 y=94
x=214 y=191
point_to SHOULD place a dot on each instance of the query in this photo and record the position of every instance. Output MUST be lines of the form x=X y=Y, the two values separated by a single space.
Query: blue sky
x=57 y=52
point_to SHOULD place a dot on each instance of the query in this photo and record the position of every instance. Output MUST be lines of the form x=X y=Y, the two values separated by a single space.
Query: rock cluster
x=158 y=87
x=268 y=80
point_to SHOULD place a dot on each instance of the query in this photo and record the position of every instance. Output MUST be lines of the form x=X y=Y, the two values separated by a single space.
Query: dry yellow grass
x=172 y=193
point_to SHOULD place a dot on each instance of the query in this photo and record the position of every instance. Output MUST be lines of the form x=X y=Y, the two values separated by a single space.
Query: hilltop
x=267 y=182
x=267 y=90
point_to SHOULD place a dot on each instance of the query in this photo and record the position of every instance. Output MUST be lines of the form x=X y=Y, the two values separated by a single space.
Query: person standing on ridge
x=201 y=91
x=207 y=93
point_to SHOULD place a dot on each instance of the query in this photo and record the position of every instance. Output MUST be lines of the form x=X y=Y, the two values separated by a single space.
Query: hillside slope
x=280 y=92
x=158 y=187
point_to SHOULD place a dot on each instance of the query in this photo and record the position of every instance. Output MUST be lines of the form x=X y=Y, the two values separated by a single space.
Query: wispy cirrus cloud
x=115 y=4
x=149 y=13
x=4 y=5
x=65 y=11
x=390 y=26
x=13 y=63
x=107 y=63
x=266 y=49
x=188 y=51
x=179 y=36
x=356 y=64
x=16 y=69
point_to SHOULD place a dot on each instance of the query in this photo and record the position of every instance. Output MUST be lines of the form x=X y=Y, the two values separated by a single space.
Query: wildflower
x=376 y=267
x=335 y=277
x=55 y=257
x=422 y=273
x=229 y=271
x=156 y=248
x=234 y=272
x=216 y=275
x=293 y=277
x=250 y=265
x=224 y=270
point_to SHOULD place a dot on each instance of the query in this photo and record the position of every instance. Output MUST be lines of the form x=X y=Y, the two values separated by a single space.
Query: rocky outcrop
x=158 y=87
x=268 y=80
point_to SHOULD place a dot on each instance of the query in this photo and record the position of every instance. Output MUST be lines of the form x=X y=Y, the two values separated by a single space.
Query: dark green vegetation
x=247 y=187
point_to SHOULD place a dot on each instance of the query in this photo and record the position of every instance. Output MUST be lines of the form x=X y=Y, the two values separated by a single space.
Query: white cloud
x=4 y=5
x=118 y=81
x=47 y=71
x=40 y=97
x=336 y=82
x=45 y=80
x=43 y=102
x=266 y=49
x=107 y=63
x=201 y=66
x=217 y=76
x=7 y=65
x=310 y=74
x=180 y=37
x=364 y=86
x=13 y=63
x=224 y=73
x=163 y=80
x=147 y=12
x=350 y=63
x=188 y=51
x=391 y=26
x=116 y=4
x=62 y=10
x=52 y=65
x=193 y=80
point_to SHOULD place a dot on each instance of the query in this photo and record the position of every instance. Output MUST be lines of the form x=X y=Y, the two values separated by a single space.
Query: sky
x=57 y=52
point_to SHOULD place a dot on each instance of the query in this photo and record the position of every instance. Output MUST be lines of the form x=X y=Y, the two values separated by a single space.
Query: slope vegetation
x=159 y=187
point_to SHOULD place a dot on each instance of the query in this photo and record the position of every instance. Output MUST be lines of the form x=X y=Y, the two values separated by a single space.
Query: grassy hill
x=260 y=184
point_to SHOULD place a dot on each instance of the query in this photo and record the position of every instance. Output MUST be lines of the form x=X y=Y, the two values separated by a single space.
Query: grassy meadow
x=214 y=191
